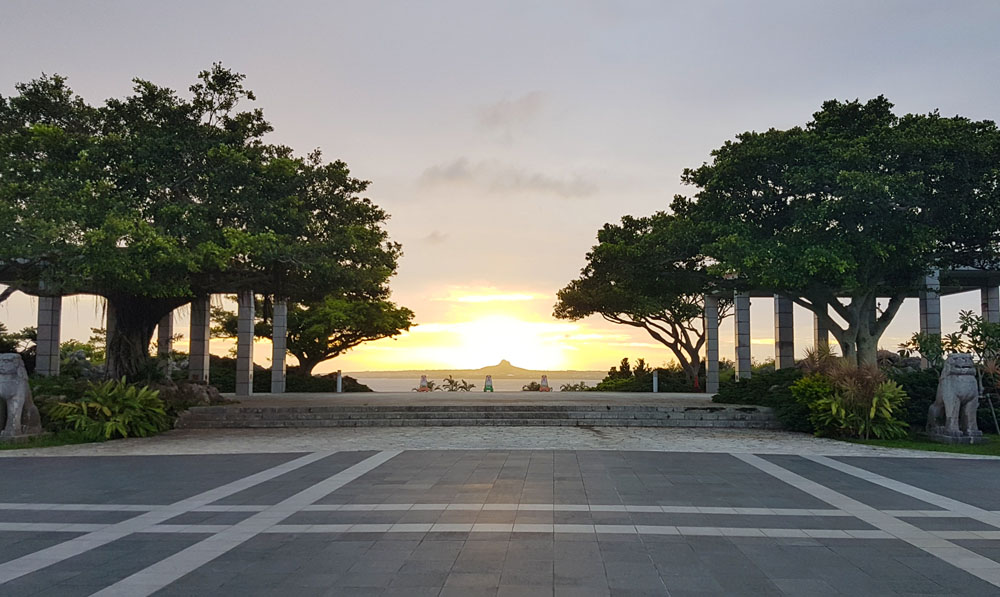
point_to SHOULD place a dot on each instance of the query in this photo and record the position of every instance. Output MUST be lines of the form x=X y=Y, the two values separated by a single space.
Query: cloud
x=436 y=237
x=501 y=178
x=509 y=113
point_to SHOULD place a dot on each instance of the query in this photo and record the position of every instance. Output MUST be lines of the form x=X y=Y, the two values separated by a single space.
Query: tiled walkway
x=499 y=522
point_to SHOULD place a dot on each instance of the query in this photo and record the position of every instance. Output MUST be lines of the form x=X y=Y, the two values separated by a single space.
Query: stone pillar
x=784 y=333
x=198 y=353
x=47 y=345
x=244 y=344
x=821 y=335
x=991 y=303
x=930 y=305
x=340 y=381
x=711 y=345
x=930 y=309
x=165 y=335
x=279 y=339
x=656 y=380
x=741 y=310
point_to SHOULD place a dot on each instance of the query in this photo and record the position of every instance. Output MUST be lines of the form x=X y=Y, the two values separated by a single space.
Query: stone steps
x=742 y=417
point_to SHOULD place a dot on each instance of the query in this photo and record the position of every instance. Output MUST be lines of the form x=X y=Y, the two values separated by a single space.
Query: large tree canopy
x=858 y=204
x=153 y=199
x=647 y=273
x=324 y=329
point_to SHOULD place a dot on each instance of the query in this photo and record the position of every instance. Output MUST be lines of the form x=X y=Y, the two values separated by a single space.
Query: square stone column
x=821 y=335
x=47 y=345
x=198 y=353
x=741 y=310
x=279 y=339
x=930 y=305
x=711 y=344
x=244 y=344
x=165 y=335
x=784 y=333
x=991 y=303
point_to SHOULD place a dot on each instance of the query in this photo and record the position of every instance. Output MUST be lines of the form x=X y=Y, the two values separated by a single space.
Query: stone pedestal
x=47 y=345
x=200 y=326
x=942 y=436
x=711 y=345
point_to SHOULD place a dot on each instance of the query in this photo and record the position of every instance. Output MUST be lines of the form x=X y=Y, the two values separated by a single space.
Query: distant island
x=501 y=370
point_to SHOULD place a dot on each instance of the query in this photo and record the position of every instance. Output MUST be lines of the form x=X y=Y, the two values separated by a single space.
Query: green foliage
x=647 y=273
x=324 y=329
x=576 y=387
x=856 y=204
x=113 y=409
x=450 y=384
x=771 y=389
x=158 y=197
x=222 y=373
x=845 y=400
x=533 y=386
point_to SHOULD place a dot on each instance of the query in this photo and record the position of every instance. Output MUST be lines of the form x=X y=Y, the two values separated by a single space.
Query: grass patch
x=989 y=448
x=59 y=438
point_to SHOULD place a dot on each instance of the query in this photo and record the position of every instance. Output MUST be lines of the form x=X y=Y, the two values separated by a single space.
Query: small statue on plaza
x=957 y=401
x=20 y=417
x=424 y=387
x=488 y=386
x=545 y=384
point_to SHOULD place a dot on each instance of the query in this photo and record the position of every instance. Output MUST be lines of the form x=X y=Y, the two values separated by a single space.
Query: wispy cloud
x=436 y=237
x=510 y=113
x=502 y=178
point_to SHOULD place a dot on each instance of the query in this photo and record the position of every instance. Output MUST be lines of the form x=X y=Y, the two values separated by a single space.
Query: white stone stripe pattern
x=155 y=577
x=960 y=557
x=955 y=506
x=524 y=507
x=507 y=528
x=35 y=561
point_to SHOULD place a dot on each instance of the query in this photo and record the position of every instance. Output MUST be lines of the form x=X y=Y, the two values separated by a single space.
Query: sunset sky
x=501 y=136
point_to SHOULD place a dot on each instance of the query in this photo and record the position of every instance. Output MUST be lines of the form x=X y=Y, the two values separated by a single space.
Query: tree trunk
x=691 y=371
x=133 y=320
x=306 y=365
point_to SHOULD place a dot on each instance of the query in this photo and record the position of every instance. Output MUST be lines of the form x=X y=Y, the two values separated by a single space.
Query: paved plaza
x=379 y=512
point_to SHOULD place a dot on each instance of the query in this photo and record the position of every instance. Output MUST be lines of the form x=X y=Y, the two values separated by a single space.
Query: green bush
x=112 y=409
x=772 y=389
x=838 y=414
x=222 y=375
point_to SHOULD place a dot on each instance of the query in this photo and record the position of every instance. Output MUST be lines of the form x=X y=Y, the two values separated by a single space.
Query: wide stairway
x=586 y=414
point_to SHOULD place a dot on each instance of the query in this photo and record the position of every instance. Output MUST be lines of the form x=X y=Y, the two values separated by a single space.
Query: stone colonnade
x=784 y=324
x=50 y=316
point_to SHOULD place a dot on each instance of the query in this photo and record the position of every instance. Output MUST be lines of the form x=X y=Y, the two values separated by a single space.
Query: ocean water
x=500 y=384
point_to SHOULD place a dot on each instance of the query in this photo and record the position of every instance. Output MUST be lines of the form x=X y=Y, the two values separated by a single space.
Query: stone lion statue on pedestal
x=957 y=399
x=19 y=415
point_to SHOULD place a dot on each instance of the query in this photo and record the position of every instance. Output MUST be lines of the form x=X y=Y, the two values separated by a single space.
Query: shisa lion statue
x=957 y=399
x=20 y=417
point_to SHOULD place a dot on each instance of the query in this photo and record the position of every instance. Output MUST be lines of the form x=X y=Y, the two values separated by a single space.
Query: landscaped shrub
x=771 y=389
x=640 y=379
x=112 y=409
x=846 y=400
x=222 y=375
